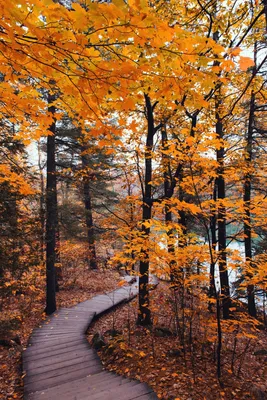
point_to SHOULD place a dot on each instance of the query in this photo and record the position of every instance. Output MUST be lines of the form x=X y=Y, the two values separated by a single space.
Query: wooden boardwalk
x=60 y=365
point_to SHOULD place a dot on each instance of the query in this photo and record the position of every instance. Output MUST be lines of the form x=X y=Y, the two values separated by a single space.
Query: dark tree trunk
x=168 y=213
x=144 y=315
x=42 y=205
x=58 y=270
x=15 y=234
x=182 y=215
x=265 y=12
x=221 y=216
x=213 y=220
x=90 y=225
x=247 y=199
x=131 y=235
x=51 y=215
x=221 y=220
x=89 y=215
x=219 y=335
x=129 y=192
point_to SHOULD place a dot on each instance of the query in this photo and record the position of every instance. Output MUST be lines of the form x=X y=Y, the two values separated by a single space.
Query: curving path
x=60 y=365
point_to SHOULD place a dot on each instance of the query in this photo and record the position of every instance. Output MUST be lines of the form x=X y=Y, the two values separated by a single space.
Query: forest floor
x=22 y=310
x=177 y=357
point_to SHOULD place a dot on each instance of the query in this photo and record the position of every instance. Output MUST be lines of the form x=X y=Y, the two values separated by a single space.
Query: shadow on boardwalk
x=60 y=365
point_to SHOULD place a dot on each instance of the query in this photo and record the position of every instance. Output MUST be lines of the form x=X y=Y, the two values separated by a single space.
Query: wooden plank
x=82 y=315
x=128 y=391
x=73 y=353
x=34 y=349
x=98 y=392
x=100 y=306
x=87 y=381
x=73 y=313
x=65 y=326
x=47 y=354
x=60 y=364
x=57 y=343
x=70 y=325
x=58 y=358
x=58 y=340
x=60 y=379
x=85 y=388
x=52 y=332
x=57 y=331
x=69 y=311
x=88 y=366
x=66 y=321
x=55 y=334
x=68 y=317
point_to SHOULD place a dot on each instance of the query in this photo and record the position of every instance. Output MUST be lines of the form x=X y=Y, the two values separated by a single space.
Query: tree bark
x=221 y=220
x=213 y=221
x=58 y=269
x=265 y=12
x=168 y=213
x=42 y=205
x=182 y=215
x=51 y=215
x=247 y=204
x=144 y=314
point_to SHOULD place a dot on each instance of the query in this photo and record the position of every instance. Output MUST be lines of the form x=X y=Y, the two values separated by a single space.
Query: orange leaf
x=245 y=63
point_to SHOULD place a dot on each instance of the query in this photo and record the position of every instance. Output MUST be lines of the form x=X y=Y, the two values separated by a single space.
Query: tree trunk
x=129 y=192
x=89 y=215
x=224 y=280
x=51 y=215
x=168 y=213
x=144 y=315
x=58 y=270
x=182 y=215
x=42 y=205
x=265 y=12
x=213 y=220
x=132 y=236
x=247 y=205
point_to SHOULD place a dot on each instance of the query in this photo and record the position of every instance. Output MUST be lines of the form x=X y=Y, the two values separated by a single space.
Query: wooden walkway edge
x=60 y=365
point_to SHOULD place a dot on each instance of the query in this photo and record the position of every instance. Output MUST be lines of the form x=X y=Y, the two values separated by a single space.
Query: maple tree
x=169 y=93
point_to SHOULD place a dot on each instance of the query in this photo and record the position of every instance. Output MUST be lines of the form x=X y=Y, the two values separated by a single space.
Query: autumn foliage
x=156 y=115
